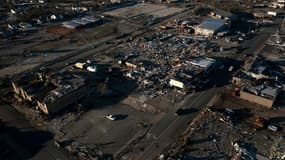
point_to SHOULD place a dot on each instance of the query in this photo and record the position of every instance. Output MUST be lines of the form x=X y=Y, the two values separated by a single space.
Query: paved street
x=166 y=133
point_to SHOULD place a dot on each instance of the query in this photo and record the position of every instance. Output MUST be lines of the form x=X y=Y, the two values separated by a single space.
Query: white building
x=210 y=26
x=204 y=63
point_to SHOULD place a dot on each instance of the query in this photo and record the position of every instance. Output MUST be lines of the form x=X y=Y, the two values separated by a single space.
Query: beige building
x=262 y=95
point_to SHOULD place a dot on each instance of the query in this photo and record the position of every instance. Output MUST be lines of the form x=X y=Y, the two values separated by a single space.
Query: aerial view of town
x=142 y=79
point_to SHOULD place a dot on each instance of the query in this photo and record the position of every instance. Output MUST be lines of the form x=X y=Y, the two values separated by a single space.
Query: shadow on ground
x=21 y=144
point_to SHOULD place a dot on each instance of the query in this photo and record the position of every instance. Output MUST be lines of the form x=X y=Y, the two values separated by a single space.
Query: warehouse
x=262 y=94
x=204 y=63
x=50 y=92
x=210 y=26
x=81 y=22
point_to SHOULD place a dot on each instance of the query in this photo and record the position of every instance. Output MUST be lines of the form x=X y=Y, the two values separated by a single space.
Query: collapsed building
x=197 y=66
x=50 y=93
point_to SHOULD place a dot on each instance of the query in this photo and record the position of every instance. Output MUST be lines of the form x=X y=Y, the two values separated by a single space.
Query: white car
x=92 y=68
x=111 y=117
x=231 y=68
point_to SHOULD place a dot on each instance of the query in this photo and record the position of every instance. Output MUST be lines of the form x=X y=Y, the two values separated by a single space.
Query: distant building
x=210 y=26
x=221 y=14
x=259 y=14
x=71 y=25
x=81 y=22
x=115 y=1
x=278 y=4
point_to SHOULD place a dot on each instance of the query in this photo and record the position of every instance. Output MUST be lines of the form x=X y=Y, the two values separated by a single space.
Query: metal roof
x=212 y=24
x=203 y=62
x=90 y=19
x=71 y=24
x=80 y=21
x=270 y=91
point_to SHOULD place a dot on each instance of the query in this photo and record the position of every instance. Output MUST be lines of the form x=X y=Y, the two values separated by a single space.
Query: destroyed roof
x=223 y=13
x=203 y=62
x=270 y=91
x=263 y=90
x=67 y=86
x=212 y=24
x=240 y=74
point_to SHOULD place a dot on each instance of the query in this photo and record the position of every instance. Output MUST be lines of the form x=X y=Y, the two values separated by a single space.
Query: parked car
x=92 y=68
x=273 y=127
x=114 y=117
x=231 y=68
x=111 y=117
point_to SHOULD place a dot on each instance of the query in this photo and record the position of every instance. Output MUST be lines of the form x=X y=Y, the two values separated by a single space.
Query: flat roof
x=203 y=62
x=270 y=91
x=263 y=90
x=80 y=21
x=90 y=19
x=71 y=24
x=212 y=24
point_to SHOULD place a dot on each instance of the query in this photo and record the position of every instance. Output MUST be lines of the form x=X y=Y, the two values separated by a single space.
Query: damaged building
x=260 y=82
x=197 y=67
x=261 y=94
x=50 y=93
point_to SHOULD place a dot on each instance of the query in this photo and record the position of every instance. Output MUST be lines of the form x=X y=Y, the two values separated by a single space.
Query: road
x=170 y=127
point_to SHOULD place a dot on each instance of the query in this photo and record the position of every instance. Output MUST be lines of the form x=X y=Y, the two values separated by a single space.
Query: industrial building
x=198 y=66
x=262 y=94
x=71 y=25
x=81 y=22
x=258 y=81
x=204 y=63
x=50 y=92
x=210 y=26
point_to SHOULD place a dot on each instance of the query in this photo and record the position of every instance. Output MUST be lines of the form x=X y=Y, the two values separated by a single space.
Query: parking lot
x=157 y=11
x=94 y=128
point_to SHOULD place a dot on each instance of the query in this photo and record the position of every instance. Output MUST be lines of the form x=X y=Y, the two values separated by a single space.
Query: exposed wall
x=256 y=99
x=65 y=100
x=21 y=93
x=206 y=32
